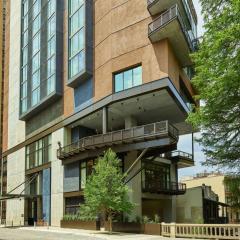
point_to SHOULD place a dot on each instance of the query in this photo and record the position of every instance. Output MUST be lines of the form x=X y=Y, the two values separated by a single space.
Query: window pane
x=51 y=66
x=35 y=79
x=25 y=7
x=36 y=44
x=81 y=60
x=51 y=27
x=24 y=105
x=35 y=96
x=36 y=8
x=24 y=90
x=25 y=23
x=137 y=76
x=25 y=55
x=75 y=4
x=74 y=66
x=77 y=21
x=77 y=42
x=24 y=73
x=119 y=82
x=36 y=62
x=36 y=24
x=51 y=84
x=25 y=38
x=128 y=80
x=51 y=7
x=51 y=47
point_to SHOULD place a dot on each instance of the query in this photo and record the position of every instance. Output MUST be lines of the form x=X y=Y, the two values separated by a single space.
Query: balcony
x=182 y=158
x=158 y=6
x=170 y=25
x=168 y=188
x=140 y=136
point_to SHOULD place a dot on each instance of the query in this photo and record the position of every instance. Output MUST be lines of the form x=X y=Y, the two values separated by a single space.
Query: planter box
x=152 y=229
x=87 y=225
x=125 y=227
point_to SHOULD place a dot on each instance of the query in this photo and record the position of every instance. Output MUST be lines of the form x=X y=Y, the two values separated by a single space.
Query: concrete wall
x=15 y=176
x=15 y=137
x=56 y=180
x=14 y=129
x=190 y=206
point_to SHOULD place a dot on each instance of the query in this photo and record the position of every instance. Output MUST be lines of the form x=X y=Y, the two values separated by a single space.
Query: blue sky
x=185 y=141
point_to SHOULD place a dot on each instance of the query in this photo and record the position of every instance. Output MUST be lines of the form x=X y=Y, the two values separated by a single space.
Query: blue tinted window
x=76 y=37
x=137 y=76
x=128 y=79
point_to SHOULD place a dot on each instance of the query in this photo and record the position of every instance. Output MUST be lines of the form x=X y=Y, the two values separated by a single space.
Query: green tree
x=105 y=191
x=218 y=84
x=233 y=186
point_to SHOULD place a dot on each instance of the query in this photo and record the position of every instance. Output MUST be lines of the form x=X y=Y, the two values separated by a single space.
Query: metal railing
x=180 y=154
x=203 y=231
x=139 y=133
x=163 y=187
x=166 y=18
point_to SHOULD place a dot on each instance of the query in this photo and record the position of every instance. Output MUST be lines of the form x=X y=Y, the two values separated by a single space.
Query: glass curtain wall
x=76 y=37
x=39 y=152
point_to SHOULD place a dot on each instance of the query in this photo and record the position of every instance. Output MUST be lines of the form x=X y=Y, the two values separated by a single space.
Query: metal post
x=105 y=120
x=192 y=146
x=1 y=189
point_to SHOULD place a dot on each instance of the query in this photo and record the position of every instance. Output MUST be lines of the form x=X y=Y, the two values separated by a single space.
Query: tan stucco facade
x=216 y=182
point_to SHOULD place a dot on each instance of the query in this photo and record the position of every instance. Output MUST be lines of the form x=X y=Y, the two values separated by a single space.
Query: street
x=42 y=233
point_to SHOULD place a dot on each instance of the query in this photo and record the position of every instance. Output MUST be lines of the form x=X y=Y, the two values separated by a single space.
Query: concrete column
x=135 y=194
x=105 y=120
x=130 y=122
x=174 y=209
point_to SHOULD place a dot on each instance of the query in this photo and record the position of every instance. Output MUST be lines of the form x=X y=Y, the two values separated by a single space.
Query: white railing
x=204 y=231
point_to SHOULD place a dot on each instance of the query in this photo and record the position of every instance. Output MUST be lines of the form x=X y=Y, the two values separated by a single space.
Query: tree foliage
x=105 y=191
x=218 y=84
x=233 y=185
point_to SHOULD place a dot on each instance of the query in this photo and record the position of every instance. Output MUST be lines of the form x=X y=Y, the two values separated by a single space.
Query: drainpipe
x=105 y=120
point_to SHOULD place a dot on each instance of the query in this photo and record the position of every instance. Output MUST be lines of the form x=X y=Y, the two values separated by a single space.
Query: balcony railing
x=180 y=154
x=135 y=134
x=169 y=188
x=165 y=18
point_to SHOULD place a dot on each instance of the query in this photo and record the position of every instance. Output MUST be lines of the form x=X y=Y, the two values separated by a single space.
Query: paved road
x=54 y=233
x=20 y=234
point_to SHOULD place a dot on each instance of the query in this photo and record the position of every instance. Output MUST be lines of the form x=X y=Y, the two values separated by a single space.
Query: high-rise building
x=83 y=76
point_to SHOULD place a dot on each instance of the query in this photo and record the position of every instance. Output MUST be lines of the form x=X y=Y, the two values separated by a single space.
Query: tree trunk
x=110 y=223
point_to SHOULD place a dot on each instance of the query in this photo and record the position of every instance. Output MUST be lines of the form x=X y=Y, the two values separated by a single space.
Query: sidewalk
x=98 y=234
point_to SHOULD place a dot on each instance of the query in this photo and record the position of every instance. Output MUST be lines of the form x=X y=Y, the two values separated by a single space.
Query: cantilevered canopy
x=11 y=195
x=147 y=107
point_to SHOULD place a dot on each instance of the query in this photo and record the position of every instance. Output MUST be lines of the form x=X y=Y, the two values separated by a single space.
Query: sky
x=185 y=142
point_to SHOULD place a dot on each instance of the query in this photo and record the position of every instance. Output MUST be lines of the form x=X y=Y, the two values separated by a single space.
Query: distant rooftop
x=202 y=175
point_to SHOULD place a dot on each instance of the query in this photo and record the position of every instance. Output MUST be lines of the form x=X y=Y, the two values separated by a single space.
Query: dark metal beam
x=158 y=143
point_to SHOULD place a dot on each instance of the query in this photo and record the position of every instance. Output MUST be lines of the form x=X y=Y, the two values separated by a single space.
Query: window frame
x=132 y=68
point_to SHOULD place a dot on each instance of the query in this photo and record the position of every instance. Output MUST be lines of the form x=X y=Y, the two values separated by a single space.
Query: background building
x=201 y=205
x=84 y=76
x=216 y=181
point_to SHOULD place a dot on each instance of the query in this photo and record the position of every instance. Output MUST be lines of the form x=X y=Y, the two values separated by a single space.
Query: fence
x=204 y=231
